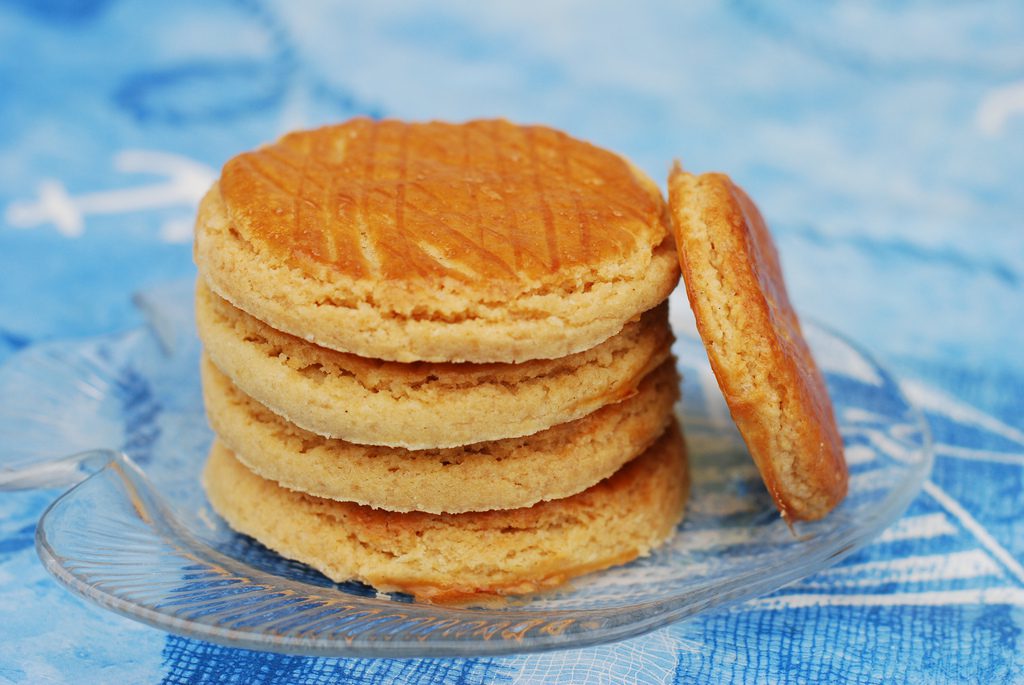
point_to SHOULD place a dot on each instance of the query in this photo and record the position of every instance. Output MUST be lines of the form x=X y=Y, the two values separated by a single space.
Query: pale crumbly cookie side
x=423 y=405
x=460 y=557
x=773 y=387
x=503 y=474
x=482 y=242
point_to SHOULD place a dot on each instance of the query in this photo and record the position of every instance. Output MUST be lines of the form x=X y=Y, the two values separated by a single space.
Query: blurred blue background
x=868 y=132
x=883 y=141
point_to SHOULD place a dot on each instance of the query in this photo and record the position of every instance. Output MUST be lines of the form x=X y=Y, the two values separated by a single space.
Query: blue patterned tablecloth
x=884 y=142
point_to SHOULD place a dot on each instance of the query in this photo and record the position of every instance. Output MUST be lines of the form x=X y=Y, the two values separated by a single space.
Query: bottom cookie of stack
x=467 y=556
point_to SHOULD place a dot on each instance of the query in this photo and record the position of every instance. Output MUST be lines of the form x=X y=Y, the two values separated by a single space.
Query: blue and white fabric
x=883 y=141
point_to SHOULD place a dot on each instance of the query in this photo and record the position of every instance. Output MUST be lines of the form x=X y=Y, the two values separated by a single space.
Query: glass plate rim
x=654 y=614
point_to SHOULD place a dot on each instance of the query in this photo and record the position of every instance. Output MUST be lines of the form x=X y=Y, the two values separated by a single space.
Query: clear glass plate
x=136 y=535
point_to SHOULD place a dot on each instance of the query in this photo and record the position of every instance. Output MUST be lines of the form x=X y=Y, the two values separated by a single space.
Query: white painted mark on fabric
x=185 y=182
x=986 y=539
x=1012 y=596
x=918 y=528
x=933 y=400
x=859 y=454
x=859 y=415
x=974 y=563
x=957 y=452
x=998 y=106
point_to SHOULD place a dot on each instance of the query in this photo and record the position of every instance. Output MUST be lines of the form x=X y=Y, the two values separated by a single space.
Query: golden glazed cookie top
x=487 y=201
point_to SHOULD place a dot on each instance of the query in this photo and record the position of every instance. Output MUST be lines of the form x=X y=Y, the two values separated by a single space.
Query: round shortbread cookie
x=773 y=387
x=503 y=474
x=423 y=405
x=483 y=242
x=458 y=557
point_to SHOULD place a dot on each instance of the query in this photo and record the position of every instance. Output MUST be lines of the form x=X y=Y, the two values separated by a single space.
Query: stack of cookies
x=437 y=357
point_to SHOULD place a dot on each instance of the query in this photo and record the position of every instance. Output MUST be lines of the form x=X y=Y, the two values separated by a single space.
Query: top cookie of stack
x=480 y=242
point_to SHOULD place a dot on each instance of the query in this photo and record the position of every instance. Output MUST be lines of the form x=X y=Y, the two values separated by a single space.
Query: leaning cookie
x=423 y=405
x=459 y=557
x=773 y=387
x=502 y=474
